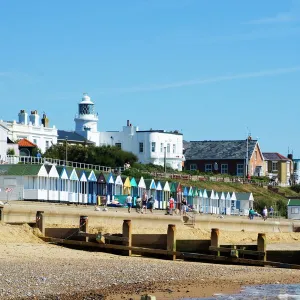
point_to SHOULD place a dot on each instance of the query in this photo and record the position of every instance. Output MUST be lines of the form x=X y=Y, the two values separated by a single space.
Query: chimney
x=34 y=118
x=290 y=156
x=127 y=122
x=45 y=121
x=23 y=117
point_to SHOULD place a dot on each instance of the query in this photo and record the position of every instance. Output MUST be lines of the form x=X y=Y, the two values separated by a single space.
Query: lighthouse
x=86 y=120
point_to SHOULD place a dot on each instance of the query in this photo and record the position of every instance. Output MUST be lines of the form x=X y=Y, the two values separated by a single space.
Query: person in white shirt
x=265 y=213
x=129 y=202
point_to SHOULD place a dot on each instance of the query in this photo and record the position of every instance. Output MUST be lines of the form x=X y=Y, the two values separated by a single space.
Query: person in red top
x=171 y=205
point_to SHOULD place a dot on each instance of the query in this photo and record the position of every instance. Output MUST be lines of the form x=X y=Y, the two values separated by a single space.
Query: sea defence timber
x=63 y=214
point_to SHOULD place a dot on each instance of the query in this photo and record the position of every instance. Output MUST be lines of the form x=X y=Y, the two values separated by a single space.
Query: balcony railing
x=14 y=159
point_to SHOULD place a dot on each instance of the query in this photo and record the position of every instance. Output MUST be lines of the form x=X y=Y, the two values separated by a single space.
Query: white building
x=33 y=129
x=3 y=142
x=150 y=146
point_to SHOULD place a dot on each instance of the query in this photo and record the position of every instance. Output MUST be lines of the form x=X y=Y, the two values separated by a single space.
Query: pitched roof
x=72 y=136
x=20 y=169
x=26 y=143
x=274 y=156
x=213 y=150
x=243 y=196
x=294 y=202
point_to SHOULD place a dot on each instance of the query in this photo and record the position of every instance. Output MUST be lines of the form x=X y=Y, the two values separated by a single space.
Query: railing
x=14 y=159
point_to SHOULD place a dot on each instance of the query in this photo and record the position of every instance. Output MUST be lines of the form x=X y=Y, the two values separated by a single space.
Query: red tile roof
x=26 y=143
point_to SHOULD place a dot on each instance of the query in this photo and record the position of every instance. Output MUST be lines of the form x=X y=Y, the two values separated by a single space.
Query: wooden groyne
x=164 y=245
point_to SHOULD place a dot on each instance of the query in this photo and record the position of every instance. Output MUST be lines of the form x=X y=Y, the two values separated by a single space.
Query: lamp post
x=165 y=159
x=66 y=150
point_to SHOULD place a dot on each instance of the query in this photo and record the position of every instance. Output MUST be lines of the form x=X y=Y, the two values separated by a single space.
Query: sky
x=212 y=69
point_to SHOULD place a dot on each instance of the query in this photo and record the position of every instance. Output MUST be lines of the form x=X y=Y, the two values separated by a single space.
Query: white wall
x=294 y=216
x=130 y=138
x=39 y=135
x=3 y=142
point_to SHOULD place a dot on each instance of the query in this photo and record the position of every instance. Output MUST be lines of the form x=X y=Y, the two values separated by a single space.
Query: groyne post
x=171 y=239
x=1 y=215
x=127 y=234
x=262 y=244
x=40 y=222
x=84 y=226
x=214 y=239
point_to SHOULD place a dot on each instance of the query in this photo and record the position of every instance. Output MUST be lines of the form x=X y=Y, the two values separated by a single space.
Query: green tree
x=105 y=155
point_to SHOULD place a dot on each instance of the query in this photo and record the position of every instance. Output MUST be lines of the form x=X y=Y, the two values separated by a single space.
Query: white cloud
x=194 y=82
x=279 y=18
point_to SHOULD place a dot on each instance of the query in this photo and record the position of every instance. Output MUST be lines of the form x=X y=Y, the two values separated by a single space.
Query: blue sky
x=208 y=68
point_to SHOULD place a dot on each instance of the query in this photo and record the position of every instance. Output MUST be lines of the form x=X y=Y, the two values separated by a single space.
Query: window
x=34 y=141
x=224 y=169
x=255 y=155
x=153 y=146
x=295 y=210
x=161 y=147
x=168 y=148
x=174 y=148
x=208 y=168
x=193 y=167
x=47 y=145
x=141 y=147
x=274 y=166
x=239 y=169
x=118 y=145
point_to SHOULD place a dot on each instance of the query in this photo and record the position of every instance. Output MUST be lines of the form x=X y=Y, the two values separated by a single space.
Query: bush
x=10 y=151
x=296 y=188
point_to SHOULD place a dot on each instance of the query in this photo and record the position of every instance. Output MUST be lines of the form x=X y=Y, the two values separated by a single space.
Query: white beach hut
x=141 y=187
x=73 y=186
x=53 y=179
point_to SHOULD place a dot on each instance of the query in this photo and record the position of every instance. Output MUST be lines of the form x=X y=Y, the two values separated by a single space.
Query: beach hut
x=215 y=203
x=91 y=186
x=198 y=202
x=234 y=209
x=63 y=184
x=28 y=182
x=159 y=195
x=206 y=200
x=73 y=185
x=166 y=194
x=126 y=186
x=141 y=187
x=118 y=185
x=101 y=185
x=244 y=202
x=176 y=192
x=190 y=196
x=222 y=203
x=110 y=183
x=52 y=187
x=195 y=197
x=150 y=188
x=134 y=188
x=82 y=187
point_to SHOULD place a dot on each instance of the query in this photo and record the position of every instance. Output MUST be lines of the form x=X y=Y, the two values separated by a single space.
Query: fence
x=14 y=159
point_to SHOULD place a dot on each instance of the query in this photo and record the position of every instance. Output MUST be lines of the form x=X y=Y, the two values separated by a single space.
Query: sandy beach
x=32 y=269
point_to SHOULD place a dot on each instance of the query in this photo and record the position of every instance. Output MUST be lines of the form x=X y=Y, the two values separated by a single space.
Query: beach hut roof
x=142 y=183
x=158 y=186
x=109 y=178
x=62 y=171
x=126 y=183
x=81 y=175
x=190 y=191
x=244 y=196
x=118 y=180
x=52 y=171
x=150 y=184
x=133 y=182
x=24 y=170
x=185 y=191
x=166 y=187
x=101 y=178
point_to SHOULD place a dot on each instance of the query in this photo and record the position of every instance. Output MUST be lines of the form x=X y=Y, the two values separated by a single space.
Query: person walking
x=129 y=203
x=138 y=204
x=183 y=206
x=144 y=203
x=251 y=213
x=151 y=204
x=265 y=213
x=171 y=205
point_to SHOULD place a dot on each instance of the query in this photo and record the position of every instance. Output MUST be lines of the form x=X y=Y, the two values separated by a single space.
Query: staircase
x=189 y=219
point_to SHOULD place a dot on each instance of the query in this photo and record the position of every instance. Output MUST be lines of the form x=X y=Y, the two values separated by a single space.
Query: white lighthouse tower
x=86 y=120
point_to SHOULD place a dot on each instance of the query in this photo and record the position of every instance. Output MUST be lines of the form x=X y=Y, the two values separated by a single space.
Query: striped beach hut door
x=166 y=194
x=110 y=182
x=92 y=187
x=159 y=195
